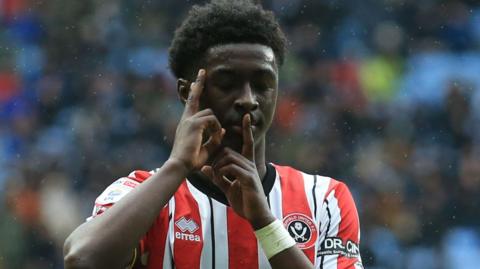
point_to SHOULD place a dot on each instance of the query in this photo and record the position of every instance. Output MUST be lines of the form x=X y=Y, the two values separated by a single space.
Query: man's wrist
x=177 y=165
x=274 y=238
x=258 y=223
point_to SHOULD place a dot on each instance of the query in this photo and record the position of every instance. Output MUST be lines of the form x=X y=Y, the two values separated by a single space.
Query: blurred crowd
x=383 y=95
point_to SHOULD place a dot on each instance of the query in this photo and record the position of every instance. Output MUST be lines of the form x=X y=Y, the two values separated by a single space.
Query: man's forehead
x=224 y=53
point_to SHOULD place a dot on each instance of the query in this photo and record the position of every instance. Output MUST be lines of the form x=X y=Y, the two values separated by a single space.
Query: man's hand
x=237 y=176
x=188 y=148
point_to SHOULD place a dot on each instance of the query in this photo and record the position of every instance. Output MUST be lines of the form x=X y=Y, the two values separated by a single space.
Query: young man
x=216 y=202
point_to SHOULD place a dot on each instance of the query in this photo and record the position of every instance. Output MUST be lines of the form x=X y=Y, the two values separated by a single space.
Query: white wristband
x=274 y=238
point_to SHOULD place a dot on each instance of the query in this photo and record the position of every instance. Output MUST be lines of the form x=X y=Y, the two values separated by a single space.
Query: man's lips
x=235 y=124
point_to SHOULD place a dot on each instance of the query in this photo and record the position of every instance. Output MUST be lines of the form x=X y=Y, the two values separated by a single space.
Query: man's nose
x=247 y=100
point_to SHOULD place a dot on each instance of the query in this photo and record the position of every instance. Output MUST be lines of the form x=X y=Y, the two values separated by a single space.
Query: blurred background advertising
x=384 y=95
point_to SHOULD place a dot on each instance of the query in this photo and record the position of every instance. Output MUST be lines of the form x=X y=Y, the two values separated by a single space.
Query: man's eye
x=261 y=86
x=225 y=86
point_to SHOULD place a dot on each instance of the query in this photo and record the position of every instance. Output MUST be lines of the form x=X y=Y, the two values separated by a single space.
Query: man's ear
x=183 y=89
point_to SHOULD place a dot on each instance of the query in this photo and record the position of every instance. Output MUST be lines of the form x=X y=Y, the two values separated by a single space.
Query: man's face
x=241 y=79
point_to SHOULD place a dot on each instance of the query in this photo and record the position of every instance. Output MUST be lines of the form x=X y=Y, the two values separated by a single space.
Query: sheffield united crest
x=302 y=229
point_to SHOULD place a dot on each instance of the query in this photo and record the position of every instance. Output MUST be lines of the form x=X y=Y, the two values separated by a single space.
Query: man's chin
x=235 y=141
x=232 y=142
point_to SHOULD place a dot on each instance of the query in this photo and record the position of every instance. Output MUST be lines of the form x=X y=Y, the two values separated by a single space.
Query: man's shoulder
x=320 y=181
x=141 y=175
x=289 y=171
x=122 y=186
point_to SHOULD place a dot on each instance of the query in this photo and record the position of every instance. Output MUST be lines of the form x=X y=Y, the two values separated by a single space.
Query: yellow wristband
x=274 y=238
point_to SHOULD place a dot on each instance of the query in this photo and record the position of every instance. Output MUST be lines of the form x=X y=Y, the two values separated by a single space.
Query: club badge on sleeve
x=302 y=229
x=116 y=191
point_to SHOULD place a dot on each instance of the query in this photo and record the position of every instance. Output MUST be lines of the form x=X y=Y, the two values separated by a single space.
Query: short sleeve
x=339 y=240
x=114 y=193
x=117 y=190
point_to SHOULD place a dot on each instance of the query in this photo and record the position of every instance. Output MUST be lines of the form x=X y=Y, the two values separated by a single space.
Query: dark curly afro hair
x=223 y=22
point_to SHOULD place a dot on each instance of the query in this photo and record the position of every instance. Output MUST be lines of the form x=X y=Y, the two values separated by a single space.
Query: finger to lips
x=248 y=145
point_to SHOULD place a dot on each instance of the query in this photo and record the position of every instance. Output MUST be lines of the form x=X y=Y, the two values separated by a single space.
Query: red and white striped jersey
x=196 y=230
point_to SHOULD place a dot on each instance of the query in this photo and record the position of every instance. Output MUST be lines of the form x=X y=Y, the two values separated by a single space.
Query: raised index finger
x=248 y=147
x=193 y=101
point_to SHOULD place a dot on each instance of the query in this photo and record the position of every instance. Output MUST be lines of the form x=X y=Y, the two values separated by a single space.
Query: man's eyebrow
x=268 y=72
x=259 y=71
x=222 y=70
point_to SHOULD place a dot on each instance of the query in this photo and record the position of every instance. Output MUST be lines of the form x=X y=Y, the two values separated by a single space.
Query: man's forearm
x=290 y=258
x=108 y=240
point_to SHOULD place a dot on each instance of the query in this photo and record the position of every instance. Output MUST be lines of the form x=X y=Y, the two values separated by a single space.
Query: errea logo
x=186 y=225
x=187 y=228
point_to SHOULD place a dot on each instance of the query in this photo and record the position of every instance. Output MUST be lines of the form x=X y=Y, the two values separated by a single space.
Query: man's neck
x=260 y=158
